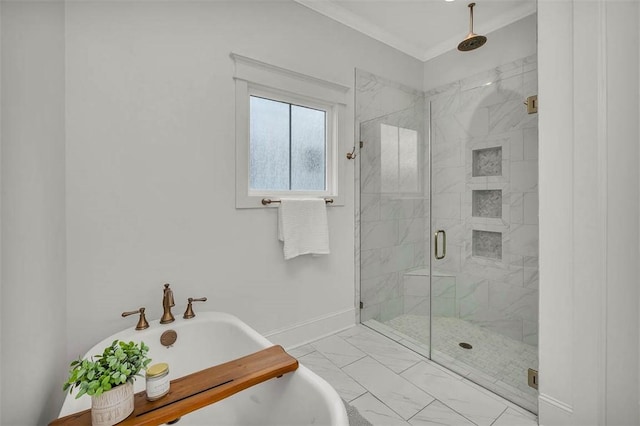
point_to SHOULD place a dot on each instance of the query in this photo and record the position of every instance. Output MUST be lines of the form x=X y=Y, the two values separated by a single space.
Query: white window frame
x=330 y=137
x=257 y=78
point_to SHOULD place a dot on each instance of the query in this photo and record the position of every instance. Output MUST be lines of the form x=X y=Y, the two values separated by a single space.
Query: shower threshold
x=495 y=362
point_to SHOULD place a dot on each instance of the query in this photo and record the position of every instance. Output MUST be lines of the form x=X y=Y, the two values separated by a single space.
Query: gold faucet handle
x=142 y=321
x=189 y=312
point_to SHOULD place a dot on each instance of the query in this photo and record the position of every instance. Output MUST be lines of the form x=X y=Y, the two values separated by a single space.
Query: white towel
x=302 y=226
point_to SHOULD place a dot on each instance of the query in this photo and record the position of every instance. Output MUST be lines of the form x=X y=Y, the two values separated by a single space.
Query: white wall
x=149 y=161
x=32 y=175
x=144 y=94
x=150 y=164
x=622 y=228
x=588 y=212
x=515 y=41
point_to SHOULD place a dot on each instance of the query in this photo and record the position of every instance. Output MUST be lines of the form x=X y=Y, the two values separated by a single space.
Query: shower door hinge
x=533 y=378
x=532 y=104
x=361 y=305
x=361 y=144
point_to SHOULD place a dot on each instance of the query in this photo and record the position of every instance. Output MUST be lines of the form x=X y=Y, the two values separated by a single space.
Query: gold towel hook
x=351 y=155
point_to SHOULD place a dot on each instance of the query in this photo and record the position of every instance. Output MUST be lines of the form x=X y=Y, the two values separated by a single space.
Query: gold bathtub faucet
x=167 y=304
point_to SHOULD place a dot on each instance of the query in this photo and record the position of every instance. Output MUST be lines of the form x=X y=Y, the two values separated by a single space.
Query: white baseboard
x=552 y=411
x=313 y=329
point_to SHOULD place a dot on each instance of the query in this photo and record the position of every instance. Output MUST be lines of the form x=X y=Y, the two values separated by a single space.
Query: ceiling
x=423 y=29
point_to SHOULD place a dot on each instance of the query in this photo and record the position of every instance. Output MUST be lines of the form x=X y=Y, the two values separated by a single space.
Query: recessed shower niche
x=487 y=244
x=486 y=203
x=487 y=162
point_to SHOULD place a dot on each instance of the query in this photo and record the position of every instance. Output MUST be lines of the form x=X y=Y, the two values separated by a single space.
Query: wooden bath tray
x=200 y=389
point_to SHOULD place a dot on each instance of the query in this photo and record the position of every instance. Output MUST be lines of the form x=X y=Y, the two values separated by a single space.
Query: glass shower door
x=394 y=227
x=484 y=230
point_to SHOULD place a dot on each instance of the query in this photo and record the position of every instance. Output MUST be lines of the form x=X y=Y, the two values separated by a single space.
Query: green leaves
x=120 y=362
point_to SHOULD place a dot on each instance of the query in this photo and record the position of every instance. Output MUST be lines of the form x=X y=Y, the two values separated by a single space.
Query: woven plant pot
x=112 y=406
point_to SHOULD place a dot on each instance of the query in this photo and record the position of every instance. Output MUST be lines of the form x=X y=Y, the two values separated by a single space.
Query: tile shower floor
x=392 y=385
x=497 y=362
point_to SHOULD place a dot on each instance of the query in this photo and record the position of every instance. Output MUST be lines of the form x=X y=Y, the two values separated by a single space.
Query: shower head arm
x=471 y=18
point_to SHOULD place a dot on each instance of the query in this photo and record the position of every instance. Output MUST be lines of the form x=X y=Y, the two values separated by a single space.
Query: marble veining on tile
x=346 y=387
x=384 y=397
x=395 y=357
x=473 y=404
x=301 y=351
x=376 y=412
x=481 y=116
x=393 y=390
x=338 y=351
x=393 y=217
x=514 y=418
x=437 y=413
x=494 y=357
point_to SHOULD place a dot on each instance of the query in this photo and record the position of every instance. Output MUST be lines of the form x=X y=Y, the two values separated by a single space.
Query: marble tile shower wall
x=393 y=222
x=483 y=140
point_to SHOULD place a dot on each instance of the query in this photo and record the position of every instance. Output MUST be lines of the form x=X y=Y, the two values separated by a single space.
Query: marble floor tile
x=301 y=351
x=386 y=398
x=512 y=417
x=353 y=331
x=496 y=361
x=455 y=393
x=416 y=347
x=393 y=390
x=346 y=387
x=338 y=351
x=376 y=412
x=384 y=329
x=436 y=414
x=387 y=352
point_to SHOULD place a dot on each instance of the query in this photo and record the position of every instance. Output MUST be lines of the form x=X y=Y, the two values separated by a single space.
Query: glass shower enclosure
x=448 y=223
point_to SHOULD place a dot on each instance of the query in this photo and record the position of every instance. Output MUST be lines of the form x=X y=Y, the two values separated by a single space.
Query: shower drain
x=465 y=345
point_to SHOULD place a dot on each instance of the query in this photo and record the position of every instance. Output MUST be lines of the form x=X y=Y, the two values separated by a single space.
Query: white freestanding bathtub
x=212 y=338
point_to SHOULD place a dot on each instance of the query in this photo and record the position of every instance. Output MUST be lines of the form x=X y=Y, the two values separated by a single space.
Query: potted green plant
x=108 y=379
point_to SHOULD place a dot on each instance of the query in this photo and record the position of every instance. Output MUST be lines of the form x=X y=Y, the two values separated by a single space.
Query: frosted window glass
x=269 y=144
x=389 y=158
x=408 y=148
x=308 y=149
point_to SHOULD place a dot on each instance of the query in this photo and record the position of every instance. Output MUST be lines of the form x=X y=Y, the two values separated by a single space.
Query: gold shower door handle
x=444 y=243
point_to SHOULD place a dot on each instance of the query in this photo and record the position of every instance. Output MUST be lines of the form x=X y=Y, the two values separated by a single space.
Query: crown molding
x=340 y=14
x=358 y=23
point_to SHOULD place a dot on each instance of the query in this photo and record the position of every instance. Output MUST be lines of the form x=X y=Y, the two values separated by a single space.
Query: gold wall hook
x=142 y=321
x=351 y=155
x=189 y=312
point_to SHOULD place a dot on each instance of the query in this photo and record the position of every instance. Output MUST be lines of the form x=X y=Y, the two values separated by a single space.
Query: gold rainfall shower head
x=473 y=40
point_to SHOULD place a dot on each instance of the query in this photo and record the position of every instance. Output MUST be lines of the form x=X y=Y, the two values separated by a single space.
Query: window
x=288 y=130
x=287 y=146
